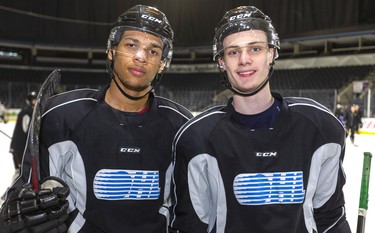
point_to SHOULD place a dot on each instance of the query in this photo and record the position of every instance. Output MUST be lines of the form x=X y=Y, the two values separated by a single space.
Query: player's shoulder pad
x=169 y=106
x=72 y=96
x=312 y=110
x=305 y=104
x=204 y=122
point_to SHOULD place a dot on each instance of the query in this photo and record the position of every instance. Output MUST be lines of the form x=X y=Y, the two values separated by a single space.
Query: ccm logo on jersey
x=130 y=150
x=266 y=154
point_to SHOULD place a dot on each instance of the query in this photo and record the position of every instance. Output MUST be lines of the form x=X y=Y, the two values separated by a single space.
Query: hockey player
x=353 y=121
x=112 y=147
x=3 y=112
x=21 y=129
x=262 y=163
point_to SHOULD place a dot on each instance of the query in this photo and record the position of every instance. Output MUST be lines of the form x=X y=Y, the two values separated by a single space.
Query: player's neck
x=119 y=102
x=251 y=105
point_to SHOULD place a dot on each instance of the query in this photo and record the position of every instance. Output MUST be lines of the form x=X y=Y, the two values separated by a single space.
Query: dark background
x=87 y=22
x=325 y=44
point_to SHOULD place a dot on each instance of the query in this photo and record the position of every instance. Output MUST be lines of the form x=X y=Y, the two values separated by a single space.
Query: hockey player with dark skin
x=108 y=151
x=263 y=163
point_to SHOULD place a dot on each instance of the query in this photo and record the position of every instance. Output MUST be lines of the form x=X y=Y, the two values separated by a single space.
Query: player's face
x=246 y=59
x=136 y=60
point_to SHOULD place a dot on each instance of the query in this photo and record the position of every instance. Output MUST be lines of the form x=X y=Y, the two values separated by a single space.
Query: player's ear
x=110 y=54
x=221 y=64
x=161 y=68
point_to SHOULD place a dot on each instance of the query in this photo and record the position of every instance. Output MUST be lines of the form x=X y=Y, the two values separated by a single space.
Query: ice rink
x=353 y=163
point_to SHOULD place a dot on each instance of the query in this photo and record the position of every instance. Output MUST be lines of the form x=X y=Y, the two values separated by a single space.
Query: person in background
x=21 y=129
x=358 y=120
x=3 y=112
x=263 y=162
x=353 y=121
x=340 y=113
x=107 y=152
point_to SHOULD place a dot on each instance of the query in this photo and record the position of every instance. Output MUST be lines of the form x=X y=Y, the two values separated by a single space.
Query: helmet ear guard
x=114 y=37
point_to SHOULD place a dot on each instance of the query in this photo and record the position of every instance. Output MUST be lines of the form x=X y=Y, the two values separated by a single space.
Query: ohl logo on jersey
x=112 y=184
x=269 y=188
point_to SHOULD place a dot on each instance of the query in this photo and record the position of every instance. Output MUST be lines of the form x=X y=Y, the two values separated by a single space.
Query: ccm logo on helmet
x=266 y=154
x=151 y=18
x=240 y=16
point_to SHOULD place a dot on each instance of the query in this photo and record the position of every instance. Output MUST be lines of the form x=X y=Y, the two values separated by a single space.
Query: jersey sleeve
x=328 y=200
x=329 y=210
x=199 y=194
x=189 y=181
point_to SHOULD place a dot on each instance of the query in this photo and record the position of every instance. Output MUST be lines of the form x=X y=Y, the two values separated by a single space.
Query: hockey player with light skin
x=111 y=148
x=263 y=163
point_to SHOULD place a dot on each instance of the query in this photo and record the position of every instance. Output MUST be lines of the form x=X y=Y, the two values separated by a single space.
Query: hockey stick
x=5 y=134
x=46 y=91
x=363 y=199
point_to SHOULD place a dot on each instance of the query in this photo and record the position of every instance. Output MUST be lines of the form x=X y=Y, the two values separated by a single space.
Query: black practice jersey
x=284 y=179
x=18 y=143
x=118 y=165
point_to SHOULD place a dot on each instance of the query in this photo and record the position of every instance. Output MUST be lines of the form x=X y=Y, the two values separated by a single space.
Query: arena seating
x=196 y=91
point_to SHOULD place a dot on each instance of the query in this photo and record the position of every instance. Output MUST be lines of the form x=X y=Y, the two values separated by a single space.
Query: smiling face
x=136 y=61
x=246 y=59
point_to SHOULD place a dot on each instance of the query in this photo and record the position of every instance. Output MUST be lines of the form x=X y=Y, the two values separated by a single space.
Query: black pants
x=352 y=131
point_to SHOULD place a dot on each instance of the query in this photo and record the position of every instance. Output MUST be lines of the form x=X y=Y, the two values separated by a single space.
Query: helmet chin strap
x=227 y=84
x=154 y=82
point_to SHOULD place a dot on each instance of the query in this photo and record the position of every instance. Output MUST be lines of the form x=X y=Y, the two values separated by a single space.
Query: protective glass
x=116 y=35
x=239 y=26
x=145 y=51
x=253 y=50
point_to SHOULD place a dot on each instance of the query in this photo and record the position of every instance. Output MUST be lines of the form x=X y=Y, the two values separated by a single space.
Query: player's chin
x=139 y=87
x=246 y=88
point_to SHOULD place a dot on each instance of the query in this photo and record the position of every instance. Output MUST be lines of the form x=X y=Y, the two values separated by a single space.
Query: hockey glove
x=28 y=211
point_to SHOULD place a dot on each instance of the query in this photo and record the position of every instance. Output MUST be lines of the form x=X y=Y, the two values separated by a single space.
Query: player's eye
x=131 y=45
x=256 y=49
x=154 y=52
x=232 y=52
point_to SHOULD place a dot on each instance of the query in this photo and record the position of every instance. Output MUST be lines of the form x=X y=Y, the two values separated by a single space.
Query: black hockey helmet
x=31 y=96
x=147 y=19
x=240 y=19
x=244 y=18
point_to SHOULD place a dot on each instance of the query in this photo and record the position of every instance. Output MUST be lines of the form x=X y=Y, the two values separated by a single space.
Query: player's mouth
x=246 y=73
x=137 y=71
